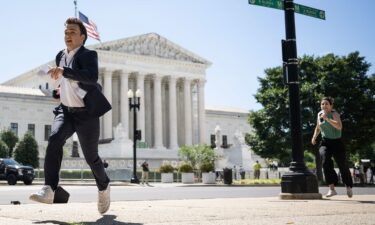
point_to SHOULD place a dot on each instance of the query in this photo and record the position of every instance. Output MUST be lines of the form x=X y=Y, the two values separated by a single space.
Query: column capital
x=188 y=80
x=107 y=71
x=173 y=78
x=140 y=75
x=125 y=72
x=157 y=77
x=101 y=70
x=202 y=81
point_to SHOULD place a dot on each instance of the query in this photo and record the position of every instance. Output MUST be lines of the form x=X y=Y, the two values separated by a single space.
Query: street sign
x=301 y=9
x=276 y=4
x=308 y=11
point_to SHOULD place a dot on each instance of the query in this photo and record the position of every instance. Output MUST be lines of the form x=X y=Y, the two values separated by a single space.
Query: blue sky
x=241 y=40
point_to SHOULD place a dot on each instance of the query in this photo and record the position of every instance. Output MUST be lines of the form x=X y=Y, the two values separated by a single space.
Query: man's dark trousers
x=87 y=128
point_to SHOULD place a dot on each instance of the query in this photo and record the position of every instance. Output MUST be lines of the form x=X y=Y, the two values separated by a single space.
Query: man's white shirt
x=71 y=94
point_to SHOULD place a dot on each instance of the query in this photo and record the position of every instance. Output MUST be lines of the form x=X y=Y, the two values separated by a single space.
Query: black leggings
x=334 y=148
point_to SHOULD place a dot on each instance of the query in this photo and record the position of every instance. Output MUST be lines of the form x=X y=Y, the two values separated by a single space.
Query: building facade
x=172 y=110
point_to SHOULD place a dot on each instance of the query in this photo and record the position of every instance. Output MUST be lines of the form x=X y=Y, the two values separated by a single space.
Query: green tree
x=3 y=150
x=10 y=139
x=343 y=78
x=27 y=151
x=197 y=155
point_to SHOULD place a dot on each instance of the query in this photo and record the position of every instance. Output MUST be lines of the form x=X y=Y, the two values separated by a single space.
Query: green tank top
x=328 y=131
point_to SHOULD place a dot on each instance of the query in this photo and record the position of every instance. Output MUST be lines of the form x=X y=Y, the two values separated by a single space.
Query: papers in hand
x=43 y=73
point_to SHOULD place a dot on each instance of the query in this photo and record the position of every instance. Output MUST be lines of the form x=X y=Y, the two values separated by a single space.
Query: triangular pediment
x=152 y=44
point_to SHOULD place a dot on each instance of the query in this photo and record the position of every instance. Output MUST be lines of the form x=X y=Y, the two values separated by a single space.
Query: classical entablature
x=145 y=53
x=153 y=45
x=148 y=65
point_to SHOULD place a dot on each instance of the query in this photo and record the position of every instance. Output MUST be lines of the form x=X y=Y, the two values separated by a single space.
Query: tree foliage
x=10 y=139
x=197 y=155
x=3 y=150
x=27 y=151
x=343 y=78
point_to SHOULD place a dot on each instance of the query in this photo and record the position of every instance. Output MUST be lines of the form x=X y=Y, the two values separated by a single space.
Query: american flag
x=92 y=30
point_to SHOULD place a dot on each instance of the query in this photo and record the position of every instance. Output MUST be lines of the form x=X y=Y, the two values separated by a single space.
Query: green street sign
x=301 y=9
x=308 y=11
x=276 y=4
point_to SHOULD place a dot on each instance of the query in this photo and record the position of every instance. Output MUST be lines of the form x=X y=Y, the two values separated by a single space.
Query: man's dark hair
x=82 y=28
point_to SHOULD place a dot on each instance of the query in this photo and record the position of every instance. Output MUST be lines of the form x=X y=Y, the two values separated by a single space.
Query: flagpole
x=75 y=8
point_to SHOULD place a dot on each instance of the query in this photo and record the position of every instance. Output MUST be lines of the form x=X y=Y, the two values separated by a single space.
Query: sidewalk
x=338 y=210
x=127 y=183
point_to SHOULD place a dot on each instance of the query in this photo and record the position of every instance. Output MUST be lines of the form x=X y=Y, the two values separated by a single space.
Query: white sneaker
x=104 y=200
x=331 y=193
x=349 y=192
x=45 y=195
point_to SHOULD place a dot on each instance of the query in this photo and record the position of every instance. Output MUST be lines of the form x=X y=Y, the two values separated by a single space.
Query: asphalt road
x=158 y=192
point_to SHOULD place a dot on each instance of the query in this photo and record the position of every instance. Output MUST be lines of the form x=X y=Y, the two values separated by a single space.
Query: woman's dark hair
x=82 y=28
x=329 y=99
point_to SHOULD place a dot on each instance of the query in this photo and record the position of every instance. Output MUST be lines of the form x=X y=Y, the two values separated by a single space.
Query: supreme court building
x=172 y=109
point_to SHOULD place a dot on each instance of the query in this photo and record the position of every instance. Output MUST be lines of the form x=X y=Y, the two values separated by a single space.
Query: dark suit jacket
x=85 y=70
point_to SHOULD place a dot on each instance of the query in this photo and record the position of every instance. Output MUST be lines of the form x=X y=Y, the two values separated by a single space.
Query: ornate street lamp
x=134 y=103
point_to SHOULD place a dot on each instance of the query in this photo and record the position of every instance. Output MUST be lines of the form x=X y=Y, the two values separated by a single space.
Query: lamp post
x=134 y=103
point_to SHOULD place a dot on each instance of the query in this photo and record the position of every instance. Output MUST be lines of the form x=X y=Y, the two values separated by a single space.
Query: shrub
x=207 y=167
x=166 y=168
x=10 y=139
x=186 y=168
x=27 y=151
x=310 y=165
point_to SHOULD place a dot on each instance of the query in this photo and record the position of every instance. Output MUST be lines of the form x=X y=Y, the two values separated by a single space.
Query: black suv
x=12 y=171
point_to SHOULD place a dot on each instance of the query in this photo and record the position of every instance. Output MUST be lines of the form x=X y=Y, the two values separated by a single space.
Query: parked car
x=12 y=171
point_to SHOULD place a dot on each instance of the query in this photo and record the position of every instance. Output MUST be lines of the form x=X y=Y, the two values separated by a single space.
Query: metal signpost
x=300 y=183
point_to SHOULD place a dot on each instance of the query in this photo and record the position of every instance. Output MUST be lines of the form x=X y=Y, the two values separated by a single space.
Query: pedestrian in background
x=145 y=171
x=256 y=168
x=358 y=172
x=372 y=170
x=242 y=173
x=330 y=127
x=235 y=172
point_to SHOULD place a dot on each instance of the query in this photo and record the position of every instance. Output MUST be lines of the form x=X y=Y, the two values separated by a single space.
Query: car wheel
x=28 y=181
x=12 y=179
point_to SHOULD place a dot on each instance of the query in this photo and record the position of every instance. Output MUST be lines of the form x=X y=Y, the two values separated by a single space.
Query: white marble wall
x=24 y=110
